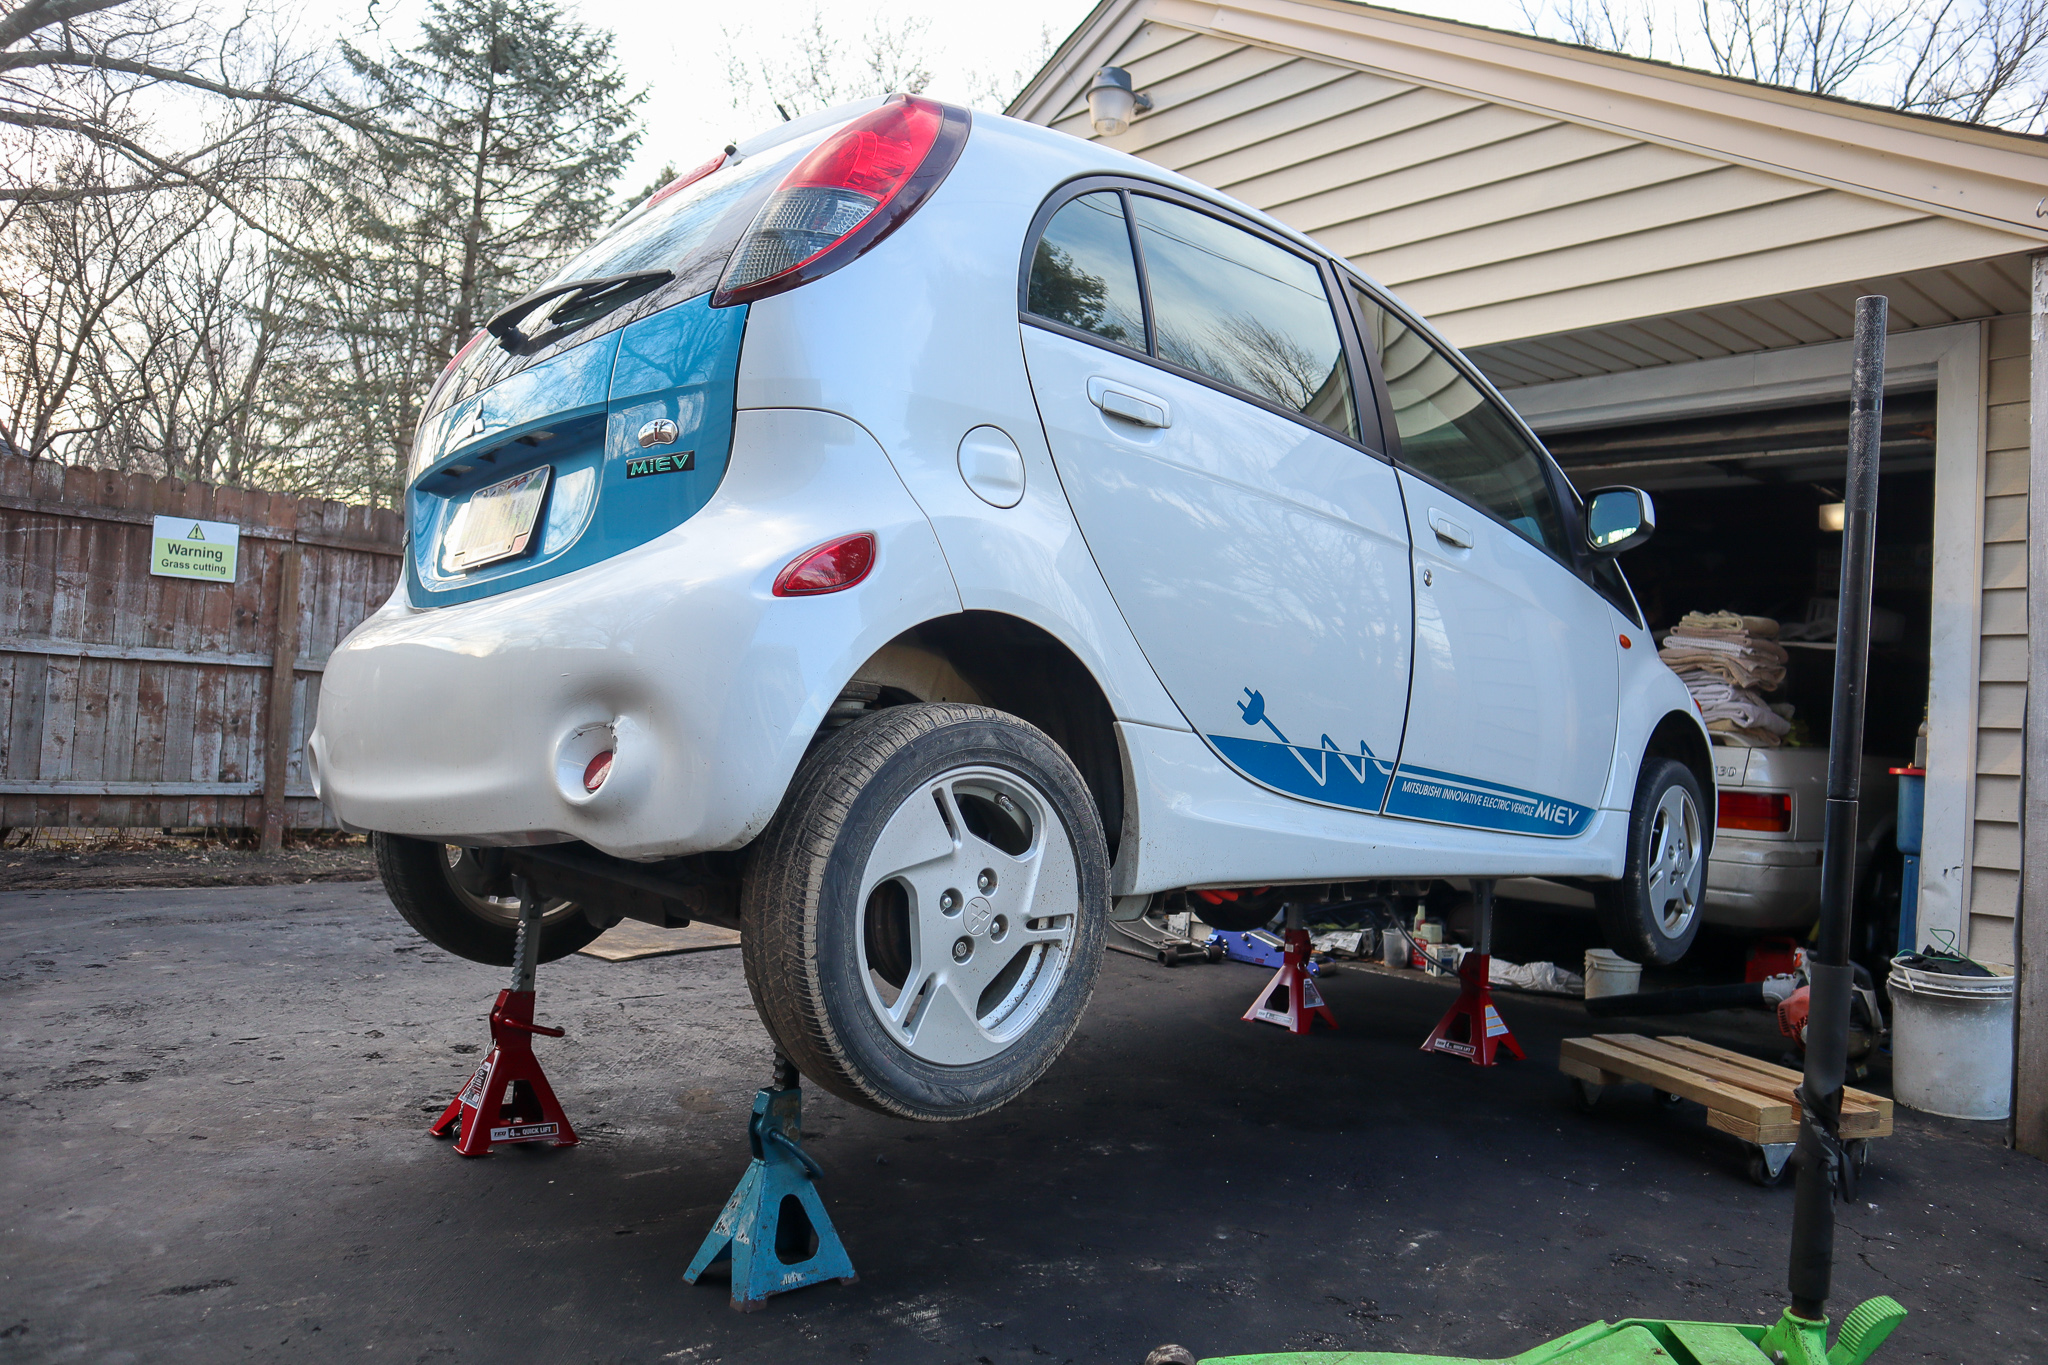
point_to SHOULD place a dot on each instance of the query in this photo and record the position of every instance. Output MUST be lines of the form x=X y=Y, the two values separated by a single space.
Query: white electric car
x=913 y=533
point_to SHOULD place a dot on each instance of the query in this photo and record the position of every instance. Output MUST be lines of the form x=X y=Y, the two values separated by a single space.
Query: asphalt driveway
x=212 y=1106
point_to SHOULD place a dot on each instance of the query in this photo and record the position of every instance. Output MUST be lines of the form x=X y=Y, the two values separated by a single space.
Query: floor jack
x=507 y=1098
x=1799 y=1336
x=1472 y=1028
x=774 y=1231
x=1302 y=1002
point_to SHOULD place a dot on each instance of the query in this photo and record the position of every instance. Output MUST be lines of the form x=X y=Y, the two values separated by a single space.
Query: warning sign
x=184 y=548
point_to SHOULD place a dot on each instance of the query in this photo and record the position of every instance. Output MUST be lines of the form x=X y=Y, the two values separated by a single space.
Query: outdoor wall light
x=1832 y=516
x=1111 y=102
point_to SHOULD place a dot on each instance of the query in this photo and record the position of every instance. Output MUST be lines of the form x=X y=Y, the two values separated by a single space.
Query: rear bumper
x=472 y=723
x=1762 y=884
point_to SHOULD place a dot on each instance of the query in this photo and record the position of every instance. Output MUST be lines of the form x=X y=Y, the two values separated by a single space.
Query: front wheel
x=924 y=918
x=1652 y=914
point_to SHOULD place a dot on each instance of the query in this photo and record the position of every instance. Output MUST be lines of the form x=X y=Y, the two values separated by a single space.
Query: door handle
x=1449 y=532
x=1128 y=404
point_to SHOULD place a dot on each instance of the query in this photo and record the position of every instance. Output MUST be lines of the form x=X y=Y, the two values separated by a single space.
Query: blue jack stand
x=774 y=1231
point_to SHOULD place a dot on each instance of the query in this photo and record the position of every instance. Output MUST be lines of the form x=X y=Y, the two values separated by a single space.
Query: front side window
x=1237 y=308
x=1454 y=434
x=1083 y=274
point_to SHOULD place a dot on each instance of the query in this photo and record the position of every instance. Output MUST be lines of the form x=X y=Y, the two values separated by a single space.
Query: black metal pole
x=1827 y=1027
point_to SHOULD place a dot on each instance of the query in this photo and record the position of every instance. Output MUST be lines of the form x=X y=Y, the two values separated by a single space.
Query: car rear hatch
x=570 y=431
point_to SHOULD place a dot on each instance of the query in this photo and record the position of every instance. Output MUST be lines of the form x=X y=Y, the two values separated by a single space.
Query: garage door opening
x=1743 y=503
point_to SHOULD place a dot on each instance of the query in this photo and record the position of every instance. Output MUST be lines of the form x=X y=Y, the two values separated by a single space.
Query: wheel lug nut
x=987 y=880
x=949 y=903
x=963 y=949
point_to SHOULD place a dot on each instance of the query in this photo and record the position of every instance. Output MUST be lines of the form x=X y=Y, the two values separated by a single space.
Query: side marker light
x=833 y=566
x=597 y=770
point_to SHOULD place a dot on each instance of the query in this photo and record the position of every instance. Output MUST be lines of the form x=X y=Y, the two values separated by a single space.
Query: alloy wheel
x=969 y=907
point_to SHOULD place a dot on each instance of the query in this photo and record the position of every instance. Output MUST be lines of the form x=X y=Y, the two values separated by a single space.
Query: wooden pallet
x=1753 y=1100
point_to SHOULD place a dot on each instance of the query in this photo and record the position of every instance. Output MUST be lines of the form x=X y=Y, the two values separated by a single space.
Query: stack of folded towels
x=1726 y=661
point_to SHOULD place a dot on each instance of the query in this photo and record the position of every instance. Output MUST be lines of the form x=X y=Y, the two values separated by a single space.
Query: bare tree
x=820 y=68
x=74 y=263
x=1629 y=26
x=1815 y=45
x=1983 y=61
x=151 y=93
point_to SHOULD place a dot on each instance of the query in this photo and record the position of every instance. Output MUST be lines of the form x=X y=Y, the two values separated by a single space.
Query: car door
x=1512 y=711
x=1202 y=420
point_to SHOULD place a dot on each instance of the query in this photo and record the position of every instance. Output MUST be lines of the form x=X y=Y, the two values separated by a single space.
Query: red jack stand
x=1304 y=1002
x=1472 y=1028
x=507 y=1099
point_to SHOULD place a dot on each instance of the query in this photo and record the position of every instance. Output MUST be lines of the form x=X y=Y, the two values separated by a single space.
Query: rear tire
x=923 y=920
x=1652 y=915
x=424 y=880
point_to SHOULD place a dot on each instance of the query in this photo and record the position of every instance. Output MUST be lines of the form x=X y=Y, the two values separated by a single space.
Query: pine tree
x=511 y=124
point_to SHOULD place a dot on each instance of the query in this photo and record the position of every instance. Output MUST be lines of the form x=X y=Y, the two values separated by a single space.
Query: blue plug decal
x=1357 y=783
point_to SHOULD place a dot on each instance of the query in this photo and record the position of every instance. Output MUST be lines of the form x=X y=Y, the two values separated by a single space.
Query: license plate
x=497 y=522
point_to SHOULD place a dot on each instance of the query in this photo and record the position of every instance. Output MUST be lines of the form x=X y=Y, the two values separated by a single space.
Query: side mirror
x=1619 y=519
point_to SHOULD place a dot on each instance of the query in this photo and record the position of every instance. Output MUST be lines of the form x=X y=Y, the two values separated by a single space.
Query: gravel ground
x=212 y=1104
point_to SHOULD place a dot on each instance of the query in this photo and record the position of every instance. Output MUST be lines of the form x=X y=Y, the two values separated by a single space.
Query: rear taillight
x=853 y=189
x=832 y=566
x=1769 y=812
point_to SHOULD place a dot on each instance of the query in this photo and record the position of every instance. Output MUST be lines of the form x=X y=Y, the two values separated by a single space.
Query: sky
x=676 y=50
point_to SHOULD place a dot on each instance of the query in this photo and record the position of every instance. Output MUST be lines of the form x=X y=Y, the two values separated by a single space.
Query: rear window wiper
x=580 y=302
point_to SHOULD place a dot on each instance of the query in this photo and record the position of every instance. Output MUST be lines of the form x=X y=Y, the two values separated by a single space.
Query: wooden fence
x=128 y=699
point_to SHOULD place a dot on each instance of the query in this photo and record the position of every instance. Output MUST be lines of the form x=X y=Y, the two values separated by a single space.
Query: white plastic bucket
x=1609 y=973
x=1952 y=1042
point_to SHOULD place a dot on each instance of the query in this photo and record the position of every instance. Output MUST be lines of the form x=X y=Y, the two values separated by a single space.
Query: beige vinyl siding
x=2002 y=664
x=1500 y=223
x=1922 y=298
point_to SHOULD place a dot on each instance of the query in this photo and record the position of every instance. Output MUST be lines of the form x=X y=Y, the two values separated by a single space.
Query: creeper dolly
x=507 y=1098
x=774 y=1231
x=1472 y=1028
x=1303 y=1001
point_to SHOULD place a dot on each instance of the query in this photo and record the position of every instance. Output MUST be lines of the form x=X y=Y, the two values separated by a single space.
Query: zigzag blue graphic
x=1361 y=783
x=1358 y=783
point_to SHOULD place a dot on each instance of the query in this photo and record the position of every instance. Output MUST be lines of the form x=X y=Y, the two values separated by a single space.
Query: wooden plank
x=1775 y=1081
x=23 y=757
x=60 y=720
x=117 y=762
x=69 y=787
x=1753 y=1132
x=86 y=649
x=278 y=713
x=1677 y=1080
x=89 y=728
x=1586 y=1071
x=1863 y=1114
x=57 y=507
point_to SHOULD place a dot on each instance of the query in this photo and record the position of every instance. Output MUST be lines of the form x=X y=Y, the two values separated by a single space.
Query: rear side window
x=1453 y=433
x=1243 y=311
x=1083 y=275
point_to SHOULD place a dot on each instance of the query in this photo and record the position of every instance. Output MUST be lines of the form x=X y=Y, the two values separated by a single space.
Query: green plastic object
x=1646 y=1341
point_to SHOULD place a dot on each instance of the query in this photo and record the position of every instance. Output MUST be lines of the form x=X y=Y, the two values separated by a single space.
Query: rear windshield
x=691 y=233
x=665 y=235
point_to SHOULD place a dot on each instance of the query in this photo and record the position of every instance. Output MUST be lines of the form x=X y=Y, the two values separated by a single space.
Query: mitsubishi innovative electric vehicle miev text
x=913 y=538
